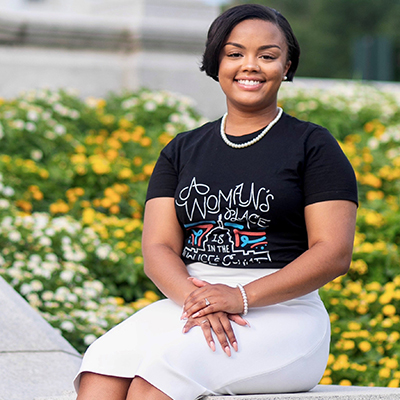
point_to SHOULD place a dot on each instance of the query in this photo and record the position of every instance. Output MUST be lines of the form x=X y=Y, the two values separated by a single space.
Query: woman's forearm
x=168 y=272
x=313 y=269
x=330 y=227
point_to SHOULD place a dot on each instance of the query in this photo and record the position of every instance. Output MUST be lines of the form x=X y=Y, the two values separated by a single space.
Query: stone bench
x=36 y=363
x=321 y=392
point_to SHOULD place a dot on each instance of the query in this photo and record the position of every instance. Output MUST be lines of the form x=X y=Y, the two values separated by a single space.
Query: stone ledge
x=321 y=392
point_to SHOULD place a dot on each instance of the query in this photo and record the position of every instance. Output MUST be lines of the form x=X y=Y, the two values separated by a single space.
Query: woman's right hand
x=220 y=323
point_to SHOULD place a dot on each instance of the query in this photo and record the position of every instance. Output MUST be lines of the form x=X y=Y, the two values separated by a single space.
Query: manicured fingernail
x=184 y=315
x=235 y=346
x=184 y=329
x=247 y=323
x=195 y=315
x=227 y=351
x=212 y=345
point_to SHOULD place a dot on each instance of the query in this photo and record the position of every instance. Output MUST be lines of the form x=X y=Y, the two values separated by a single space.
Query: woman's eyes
x=234 y=55
x=263 y=56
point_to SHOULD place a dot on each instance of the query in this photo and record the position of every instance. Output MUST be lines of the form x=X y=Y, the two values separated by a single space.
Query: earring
x=285 y=78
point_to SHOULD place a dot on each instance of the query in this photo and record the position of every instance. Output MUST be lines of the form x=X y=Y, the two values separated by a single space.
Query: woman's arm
x=162 y=243
x=330 y=226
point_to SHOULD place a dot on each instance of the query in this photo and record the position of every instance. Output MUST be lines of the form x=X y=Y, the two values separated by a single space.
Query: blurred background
x=97 y=46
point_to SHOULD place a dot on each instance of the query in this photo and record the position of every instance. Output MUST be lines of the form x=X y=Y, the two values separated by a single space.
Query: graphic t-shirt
x=244 y=207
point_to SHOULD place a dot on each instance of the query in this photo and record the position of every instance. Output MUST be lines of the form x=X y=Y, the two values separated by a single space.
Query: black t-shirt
x=244 y=207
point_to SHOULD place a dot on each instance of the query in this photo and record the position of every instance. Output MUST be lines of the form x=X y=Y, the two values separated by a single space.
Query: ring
x=203 y=322
x=207 y=302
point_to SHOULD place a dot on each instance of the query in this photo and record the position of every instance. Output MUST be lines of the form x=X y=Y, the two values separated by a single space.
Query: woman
x=250 y=214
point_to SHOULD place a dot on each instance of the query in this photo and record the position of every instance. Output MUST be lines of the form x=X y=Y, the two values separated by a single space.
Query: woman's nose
x=250 y=64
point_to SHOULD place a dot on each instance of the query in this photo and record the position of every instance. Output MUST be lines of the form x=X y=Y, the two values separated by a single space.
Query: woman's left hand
x=211 y=298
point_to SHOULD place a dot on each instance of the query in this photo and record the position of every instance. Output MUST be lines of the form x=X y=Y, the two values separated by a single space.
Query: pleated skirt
x=285 y=349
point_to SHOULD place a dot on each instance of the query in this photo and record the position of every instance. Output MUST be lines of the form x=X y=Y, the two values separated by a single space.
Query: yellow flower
x=124 y=123
x=137 y=161
x=394 y=337
x=111 y=154
x=355 y=287
x=24 y=205
x=371 y=297
x=125 y=173
x=150 y=295
x=165 y=138
x=391 y=363
x=80 y=149
x=375 y=195
x=373 y=218
x=141 y=303
x=326 y=380
x=138 y=260
x=389 y=310
x=333 y=317
x=114 y=209
x=107 y=119
x=331 y=359
x=148 y=169
x=364 y=346
x=88 y=216
x=78 y=158
x=384 y=373
x=114 y=143
x=362 y=309
x=373 y=286
x=354 y=326
x=394 y=383
x=359 y=266
x=345 y=382
x=59 y=206
x=44 y=174
x=369 y=127
x=106 y=202
x=380 y=336
x=367 y=247
x=145 y=142
x=371 y=180
x=386 y=298
x=119 y=300
x=119 y=233
x=121 y=245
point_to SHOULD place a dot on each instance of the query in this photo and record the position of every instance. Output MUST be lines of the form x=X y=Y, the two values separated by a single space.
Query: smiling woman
x=241 y=219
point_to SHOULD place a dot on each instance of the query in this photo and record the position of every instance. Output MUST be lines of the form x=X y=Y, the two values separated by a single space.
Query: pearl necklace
x=251 y=142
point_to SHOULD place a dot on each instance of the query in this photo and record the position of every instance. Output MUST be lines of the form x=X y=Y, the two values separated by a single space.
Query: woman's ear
x=287 y=67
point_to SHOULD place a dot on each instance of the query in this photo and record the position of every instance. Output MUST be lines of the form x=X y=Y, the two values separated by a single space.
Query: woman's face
x=253 y=63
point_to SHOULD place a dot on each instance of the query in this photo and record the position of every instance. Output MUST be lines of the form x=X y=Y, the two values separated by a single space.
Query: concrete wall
x=97 y=46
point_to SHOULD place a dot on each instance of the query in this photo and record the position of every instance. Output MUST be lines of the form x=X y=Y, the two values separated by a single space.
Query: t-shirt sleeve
x=164 y=180
x=328 y=173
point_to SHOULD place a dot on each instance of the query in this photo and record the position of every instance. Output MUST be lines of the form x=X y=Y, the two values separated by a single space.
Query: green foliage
x=73 y=179
x=327 y=30
x=364 y=304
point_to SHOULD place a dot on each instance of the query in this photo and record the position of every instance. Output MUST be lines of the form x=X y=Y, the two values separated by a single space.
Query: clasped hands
x=213 y=307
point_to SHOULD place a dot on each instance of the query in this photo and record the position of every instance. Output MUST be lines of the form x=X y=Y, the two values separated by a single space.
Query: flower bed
x=73 y=176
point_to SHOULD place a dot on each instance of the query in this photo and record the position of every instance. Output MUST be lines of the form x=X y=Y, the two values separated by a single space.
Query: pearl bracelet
x=245 y=303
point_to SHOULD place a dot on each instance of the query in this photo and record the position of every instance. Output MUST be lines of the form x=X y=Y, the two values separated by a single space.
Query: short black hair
x=222 y=26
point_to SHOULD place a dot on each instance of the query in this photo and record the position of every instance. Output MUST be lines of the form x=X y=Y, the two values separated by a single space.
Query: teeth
x=248 y=82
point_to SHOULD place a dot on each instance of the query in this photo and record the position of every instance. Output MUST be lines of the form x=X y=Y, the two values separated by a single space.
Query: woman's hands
x=212 y=298
x=223 y=305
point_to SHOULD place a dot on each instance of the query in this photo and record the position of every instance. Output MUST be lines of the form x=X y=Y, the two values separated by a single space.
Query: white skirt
x=285 y=349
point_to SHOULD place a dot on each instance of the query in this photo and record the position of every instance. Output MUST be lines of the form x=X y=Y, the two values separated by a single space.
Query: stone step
x=320 y=392
x=35 y=360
